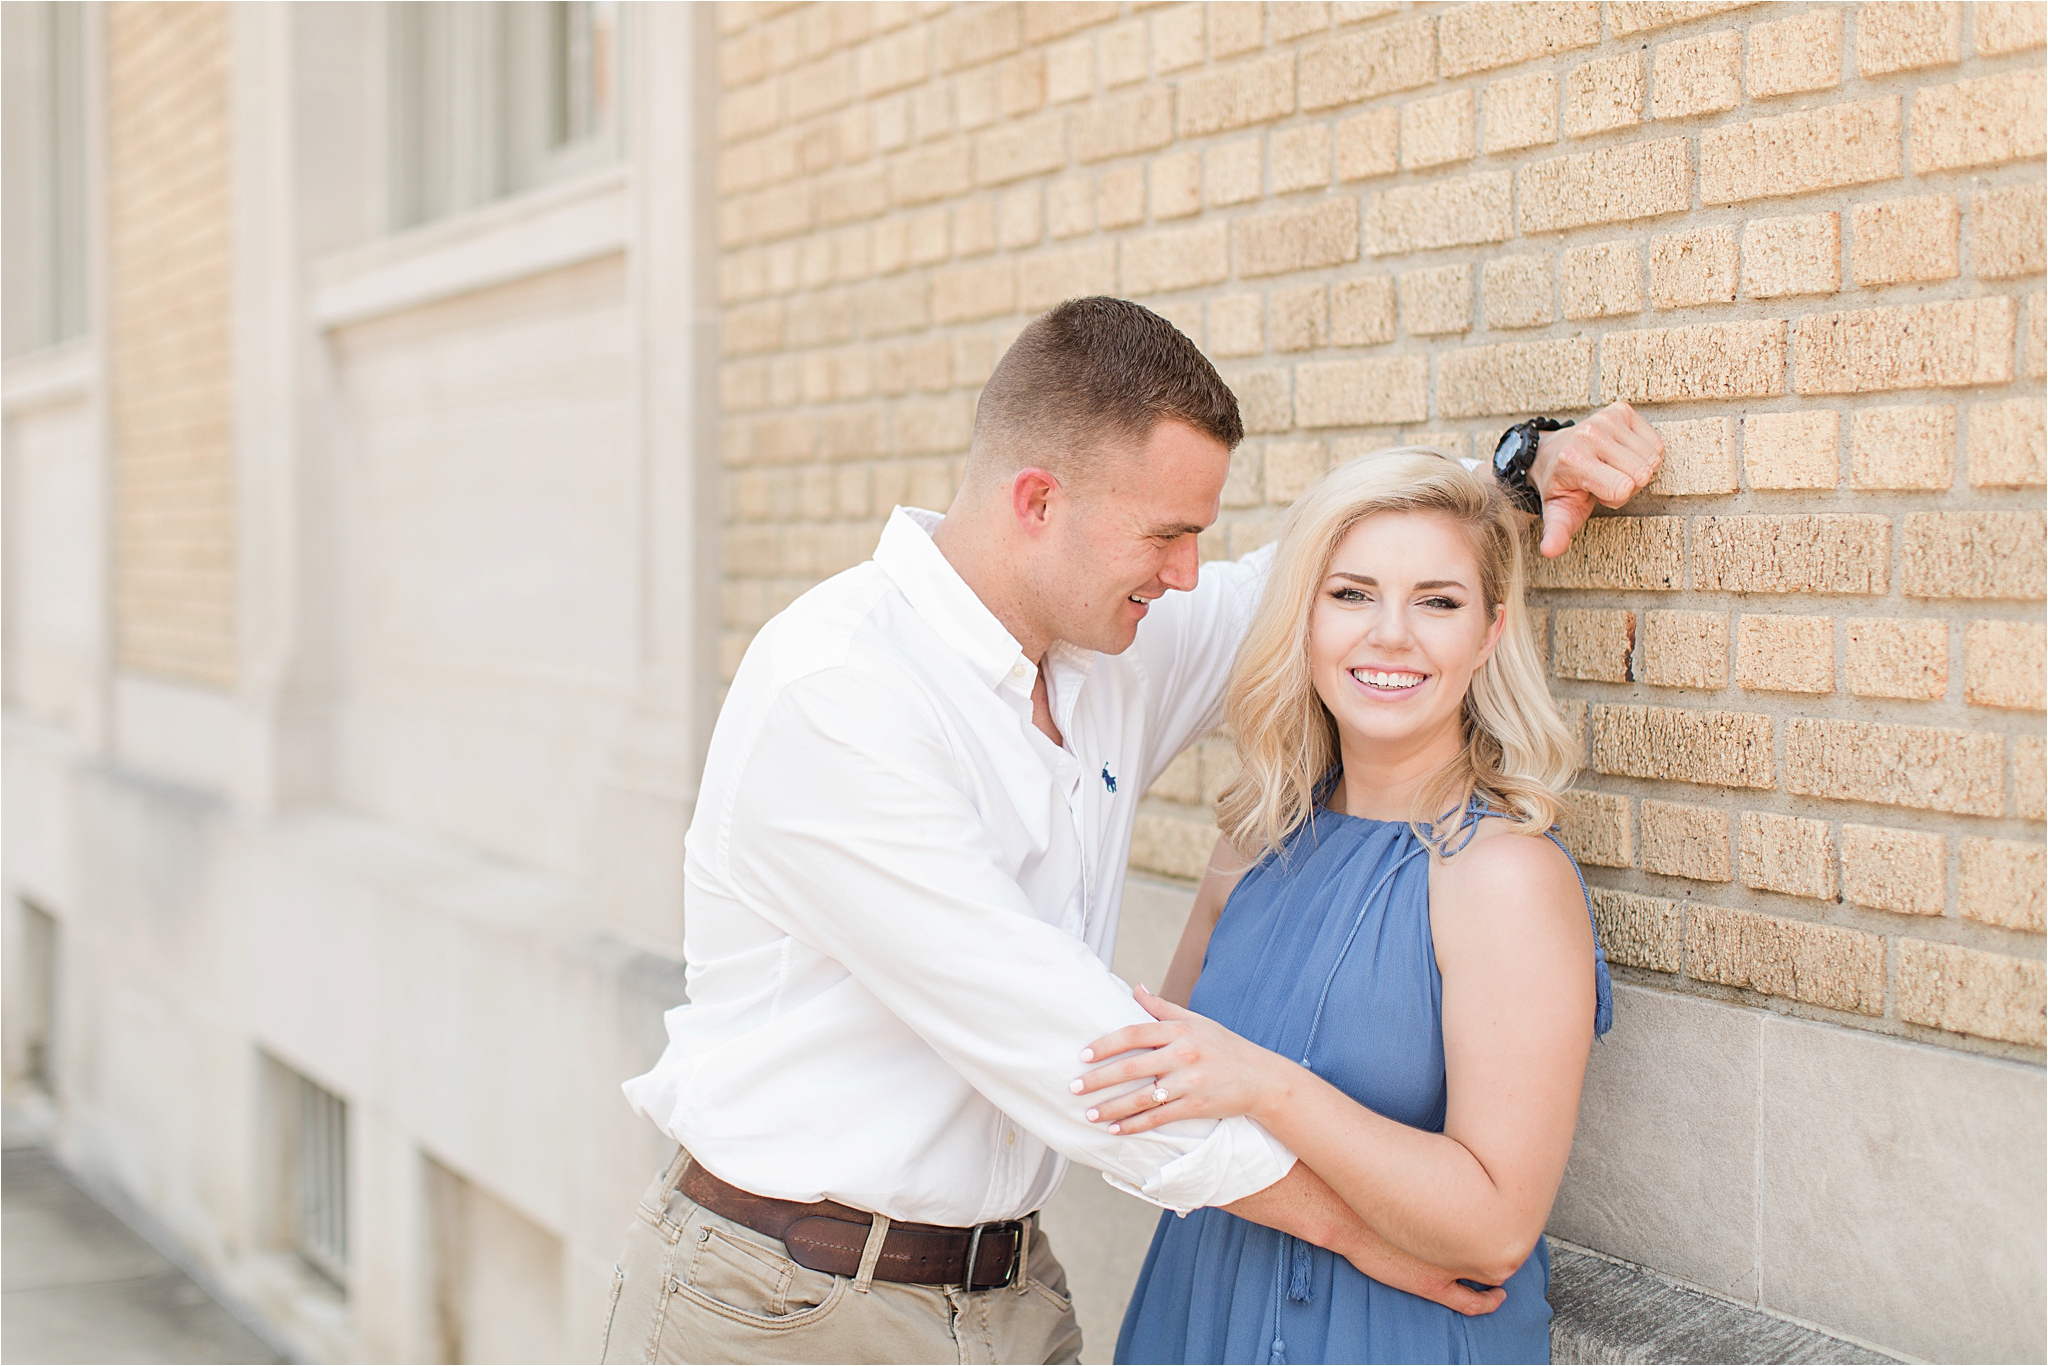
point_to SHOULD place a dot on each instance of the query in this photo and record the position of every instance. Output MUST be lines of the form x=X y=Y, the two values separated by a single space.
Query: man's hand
x=1606 y=459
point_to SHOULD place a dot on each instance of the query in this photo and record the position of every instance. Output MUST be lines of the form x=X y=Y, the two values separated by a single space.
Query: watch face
x=1510 y=449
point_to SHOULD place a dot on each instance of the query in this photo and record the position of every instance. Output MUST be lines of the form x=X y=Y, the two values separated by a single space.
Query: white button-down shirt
x=902 y=900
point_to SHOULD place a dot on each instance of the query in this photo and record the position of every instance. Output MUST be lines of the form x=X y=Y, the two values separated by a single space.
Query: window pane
x=489 y=99
x=443 y=109
x=67 y=191
x=44 y=125
x=583 y=42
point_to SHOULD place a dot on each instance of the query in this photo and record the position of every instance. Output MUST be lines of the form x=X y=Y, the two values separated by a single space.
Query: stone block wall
x=169 y=340
x=1807 y=666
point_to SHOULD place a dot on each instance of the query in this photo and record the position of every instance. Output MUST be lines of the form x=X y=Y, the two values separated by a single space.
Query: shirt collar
x=938 y=594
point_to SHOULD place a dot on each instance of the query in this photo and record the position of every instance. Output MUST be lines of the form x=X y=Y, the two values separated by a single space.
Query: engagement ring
x=1159 y=1095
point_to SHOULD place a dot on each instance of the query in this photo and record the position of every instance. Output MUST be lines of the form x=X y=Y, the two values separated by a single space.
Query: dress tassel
x=1301 y=1272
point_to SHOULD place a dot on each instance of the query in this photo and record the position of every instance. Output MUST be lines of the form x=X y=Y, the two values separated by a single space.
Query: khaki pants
x=693 y=1286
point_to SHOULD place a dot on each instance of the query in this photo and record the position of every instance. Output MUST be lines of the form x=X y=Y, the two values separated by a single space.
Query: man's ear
x=1032 y=492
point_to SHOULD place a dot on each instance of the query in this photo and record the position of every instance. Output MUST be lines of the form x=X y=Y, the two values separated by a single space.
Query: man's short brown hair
x=1089 y=381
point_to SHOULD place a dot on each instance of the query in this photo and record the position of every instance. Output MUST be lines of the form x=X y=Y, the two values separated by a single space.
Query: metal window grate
x=320 y=1180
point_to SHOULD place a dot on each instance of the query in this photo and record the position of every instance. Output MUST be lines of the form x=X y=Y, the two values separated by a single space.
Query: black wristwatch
x=1515 y=454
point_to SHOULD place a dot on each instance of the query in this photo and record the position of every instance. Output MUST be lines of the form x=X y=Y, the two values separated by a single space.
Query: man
x=904 y=875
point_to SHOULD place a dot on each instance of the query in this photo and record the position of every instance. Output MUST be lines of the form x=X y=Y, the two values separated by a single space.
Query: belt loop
x=878 y=1233
x=1027 y=1226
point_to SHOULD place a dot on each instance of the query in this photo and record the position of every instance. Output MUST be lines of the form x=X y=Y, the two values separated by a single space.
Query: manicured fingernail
x=1116 y=1128
x=1075 y=1086
x=1087 y=1055
x=1095 y=1114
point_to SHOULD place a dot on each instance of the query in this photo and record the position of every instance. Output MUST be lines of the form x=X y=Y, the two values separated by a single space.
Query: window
x=33 y=1010
x=43 y=124
x=310 y=1128
x=491 y=99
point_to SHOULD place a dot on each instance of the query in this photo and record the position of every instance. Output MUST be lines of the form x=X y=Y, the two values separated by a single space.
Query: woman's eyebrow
x=1375 y=583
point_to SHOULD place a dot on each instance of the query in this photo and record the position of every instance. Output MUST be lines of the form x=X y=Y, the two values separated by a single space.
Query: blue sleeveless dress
x=1323 y=953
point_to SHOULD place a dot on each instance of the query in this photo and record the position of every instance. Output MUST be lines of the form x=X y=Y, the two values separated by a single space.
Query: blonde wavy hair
x=1517 y=755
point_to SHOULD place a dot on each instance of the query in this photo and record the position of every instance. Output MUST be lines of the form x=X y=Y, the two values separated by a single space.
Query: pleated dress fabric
x=1323 y=954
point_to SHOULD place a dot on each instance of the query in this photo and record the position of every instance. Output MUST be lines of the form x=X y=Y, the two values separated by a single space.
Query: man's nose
x=1183 y=565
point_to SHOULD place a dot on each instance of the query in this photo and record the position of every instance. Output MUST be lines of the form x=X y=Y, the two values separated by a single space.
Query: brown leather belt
x=830 y=1237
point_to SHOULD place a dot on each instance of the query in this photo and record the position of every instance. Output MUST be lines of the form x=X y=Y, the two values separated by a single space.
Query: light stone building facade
x=412 y=411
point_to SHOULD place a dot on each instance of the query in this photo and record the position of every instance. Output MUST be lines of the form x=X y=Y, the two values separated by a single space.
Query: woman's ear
x=1493 y=634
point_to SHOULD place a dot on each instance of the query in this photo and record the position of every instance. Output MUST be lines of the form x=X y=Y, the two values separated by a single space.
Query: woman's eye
x=1442 y=604
x=1348 y=595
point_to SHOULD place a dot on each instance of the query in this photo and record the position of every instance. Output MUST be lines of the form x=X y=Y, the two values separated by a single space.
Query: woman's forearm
x=1186 y=967
x=1426 y=1194
x=1218 y=879
x=1302 y=1203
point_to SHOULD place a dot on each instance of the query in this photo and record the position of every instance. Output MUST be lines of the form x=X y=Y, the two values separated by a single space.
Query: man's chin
x=1110 y=640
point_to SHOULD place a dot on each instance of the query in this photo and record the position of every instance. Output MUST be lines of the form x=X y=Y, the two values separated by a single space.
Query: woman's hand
x=1390 y=1266
x=1204 y=1070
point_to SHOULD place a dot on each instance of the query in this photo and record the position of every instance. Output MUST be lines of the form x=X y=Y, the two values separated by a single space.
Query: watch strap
x=1513 y=476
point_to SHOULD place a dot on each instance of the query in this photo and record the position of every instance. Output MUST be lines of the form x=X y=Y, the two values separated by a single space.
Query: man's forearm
x=1302 y=1204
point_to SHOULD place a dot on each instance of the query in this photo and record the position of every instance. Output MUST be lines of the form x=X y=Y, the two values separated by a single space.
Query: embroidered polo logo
x=1108 y=778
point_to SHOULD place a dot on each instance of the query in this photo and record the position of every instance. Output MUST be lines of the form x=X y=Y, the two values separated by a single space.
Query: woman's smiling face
x=1398 y=629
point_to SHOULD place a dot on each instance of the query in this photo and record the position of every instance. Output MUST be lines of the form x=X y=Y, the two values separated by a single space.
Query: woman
x=1404 y=982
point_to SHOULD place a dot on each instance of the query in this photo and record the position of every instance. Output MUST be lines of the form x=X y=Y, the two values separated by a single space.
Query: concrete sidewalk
x=79 y=1286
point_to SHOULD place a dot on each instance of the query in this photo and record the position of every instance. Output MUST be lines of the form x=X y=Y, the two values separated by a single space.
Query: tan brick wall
x=168 y=245
x=1807 y=667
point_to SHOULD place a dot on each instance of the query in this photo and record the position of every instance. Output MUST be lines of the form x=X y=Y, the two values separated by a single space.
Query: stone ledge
x=1607 y=1311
